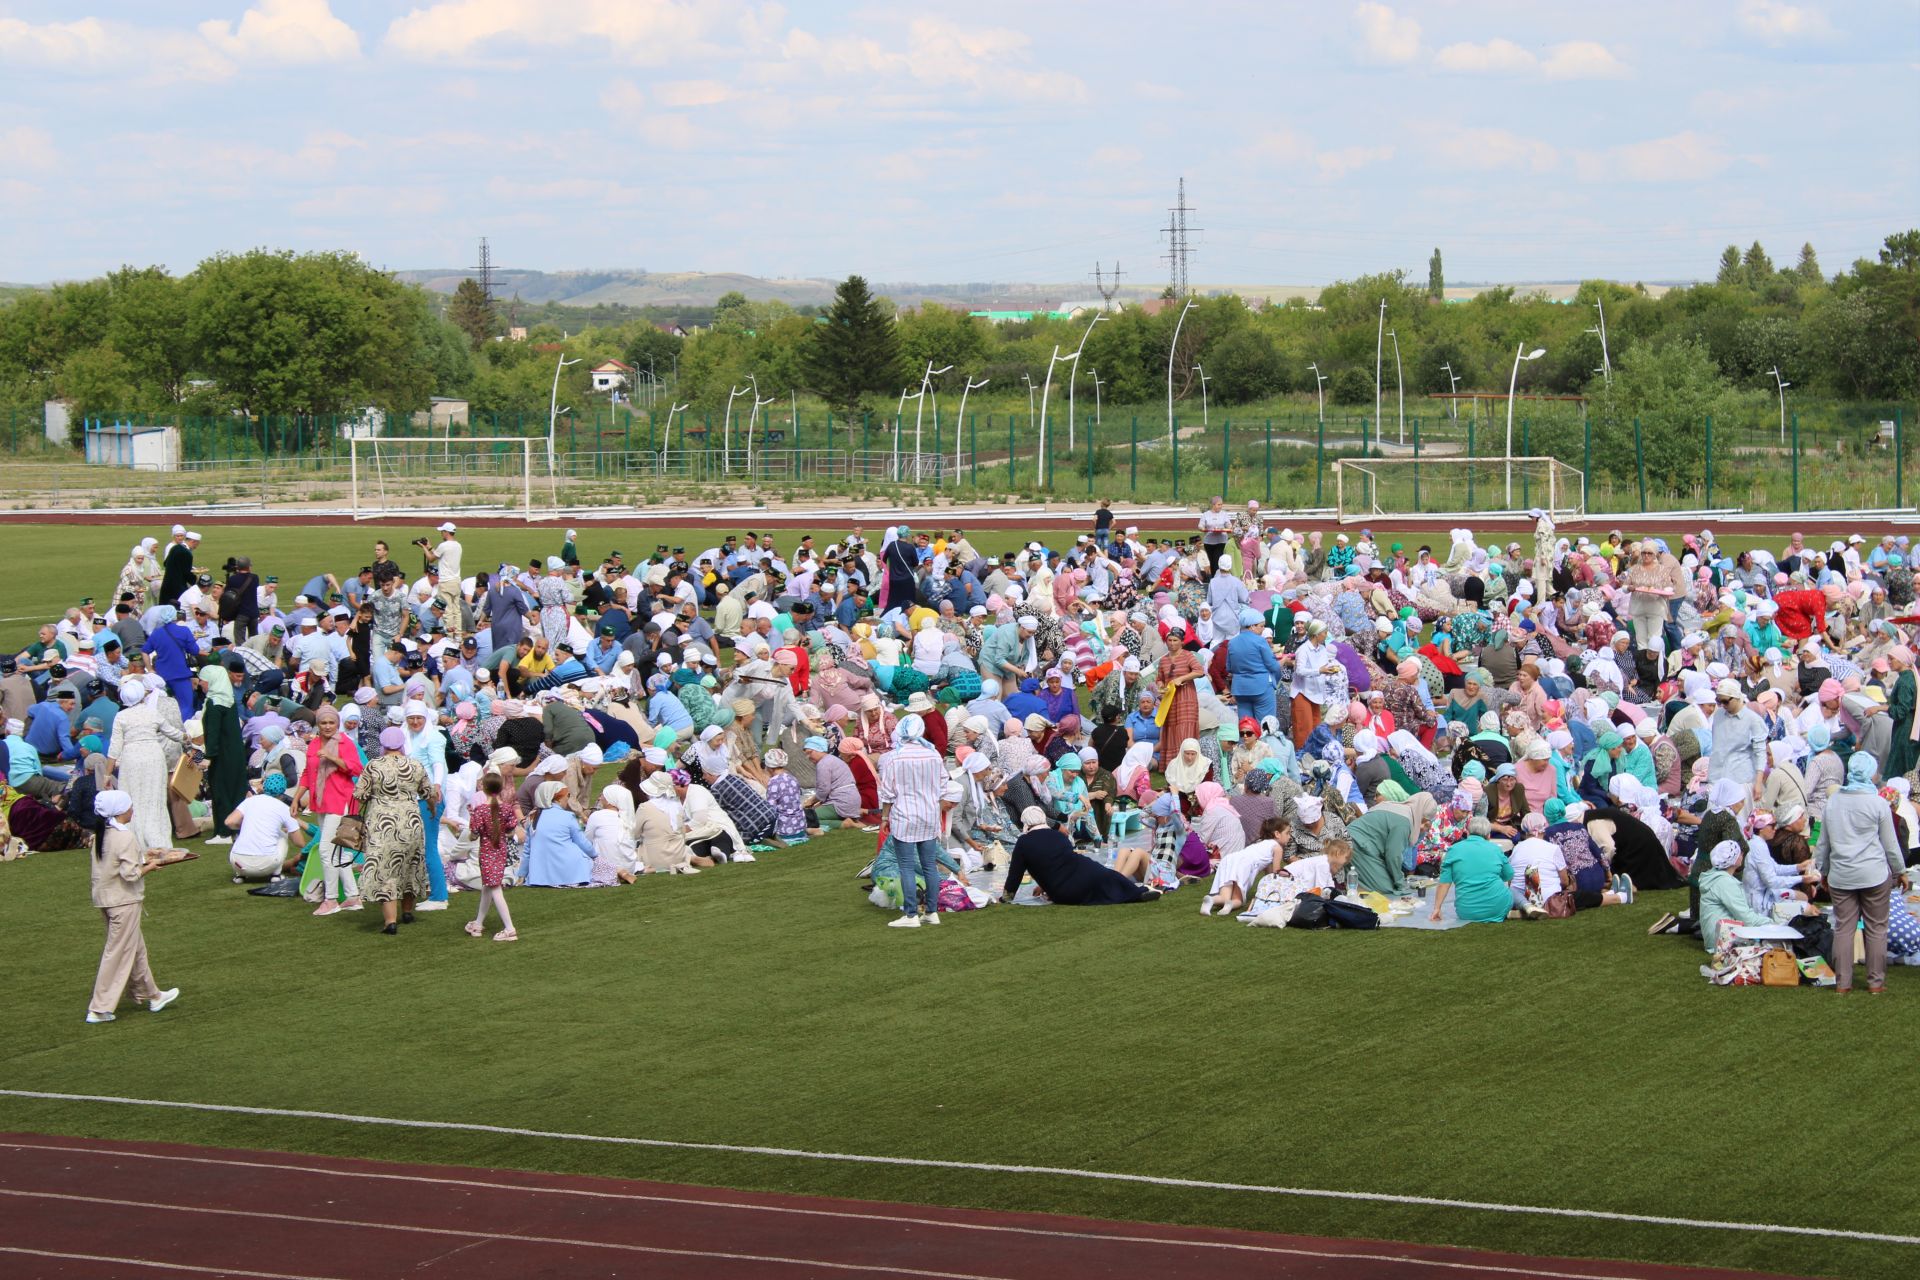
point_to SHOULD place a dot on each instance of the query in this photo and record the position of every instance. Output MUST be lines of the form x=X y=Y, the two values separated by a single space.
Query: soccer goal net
x=1381 y=488
x=393 y=476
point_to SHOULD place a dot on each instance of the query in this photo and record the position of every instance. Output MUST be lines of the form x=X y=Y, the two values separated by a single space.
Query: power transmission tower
x=1107 y=291
x=483 y=274
x=1178 y=247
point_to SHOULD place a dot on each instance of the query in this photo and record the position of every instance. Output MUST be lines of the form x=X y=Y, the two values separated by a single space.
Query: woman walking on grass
x=490 y=821
x=389 y=791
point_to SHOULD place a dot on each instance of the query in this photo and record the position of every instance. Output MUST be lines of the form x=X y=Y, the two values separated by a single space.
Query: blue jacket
x=173 y=649
x=1251 y=665
x=49 y=731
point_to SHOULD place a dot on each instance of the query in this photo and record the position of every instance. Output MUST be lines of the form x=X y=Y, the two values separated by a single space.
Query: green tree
x=147 y=323
x=98 y=382
x=1730 y=272
x=308 y=334
x=1808 y=268
x=1245 y=366
x=733 y=311
x=1436 y=278
x=857 y=352
x=1671 y=389
x=471 y=312
x=1756 y=267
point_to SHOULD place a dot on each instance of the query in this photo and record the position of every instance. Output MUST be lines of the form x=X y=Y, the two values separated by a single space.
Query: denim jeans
x=918 y=857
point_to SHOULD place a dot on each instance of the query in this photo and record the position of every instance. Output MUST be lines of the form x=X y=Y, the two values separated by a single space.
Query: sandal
x=506 y=935
x=474 y=929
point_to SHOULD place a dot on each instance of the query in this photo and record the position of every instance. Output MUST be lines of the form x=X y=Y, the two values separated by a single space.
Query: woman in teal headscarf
x=1597 y=767
x=226 y=753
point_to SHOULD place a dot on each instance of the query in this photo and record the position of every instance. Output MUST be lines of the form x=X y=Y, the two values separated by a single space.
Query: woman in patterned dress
x=555 y=601
x=390 y=790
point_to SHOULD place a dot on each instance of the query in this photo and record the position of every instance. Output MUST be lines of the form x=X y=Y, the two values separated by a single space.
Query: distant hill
x=630 y=288
x=703 y=289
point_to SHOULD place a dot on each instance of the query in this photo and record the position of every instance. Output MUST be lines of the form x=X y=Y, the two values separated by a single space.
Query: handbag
x=1166 y=705
x=1560 y=906
x=1350 y=915
x=1310 y=912
x=1777 y=968
x=186 y=778
x=351 y=833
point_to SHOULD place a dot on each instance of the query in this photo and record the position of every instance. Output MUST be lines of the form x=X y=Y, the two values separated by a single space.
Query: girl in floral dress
x=491 y=820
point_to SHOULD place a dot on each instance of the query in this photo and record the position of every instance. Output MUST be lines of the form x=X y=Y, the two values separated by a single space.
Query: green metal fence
x=1851 y=459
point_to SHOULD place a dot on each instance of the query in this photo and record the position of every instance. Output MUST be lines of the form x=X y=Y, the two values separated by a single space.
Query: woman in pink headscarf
x=1218 y=822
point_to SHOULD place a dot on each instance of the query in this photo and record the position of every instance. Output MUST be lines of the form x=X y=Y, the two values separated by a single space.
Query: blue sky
x=989 y=141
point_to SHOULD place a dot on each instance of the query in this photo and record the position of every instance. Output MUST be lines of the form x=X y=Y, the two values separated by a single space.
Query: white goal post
x=397 y=475
x=1382 y=488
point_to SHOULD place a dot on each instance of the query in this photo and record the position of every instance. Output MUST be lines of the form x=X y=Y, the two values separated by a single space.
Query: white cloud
x=1495 y=55
x=691 y=93
x=1341 y=161
x=1115 y=157
x=1573 y=60
x=1581 y=60
x=939 y=54
x=1385 y=36
x=648 y=31
x=626 y=102
x=284 y=31
x=1156 y=92
x=1491 y=150
x=623 y=98
x=1681 y=157
x=25 y=147
x=1288 y=148
x=272 y=33
x=1776 y=23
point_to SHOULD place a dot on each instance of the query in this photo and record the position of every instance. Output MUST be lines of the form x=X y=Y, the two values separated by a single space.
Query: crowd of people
x=1489 y=732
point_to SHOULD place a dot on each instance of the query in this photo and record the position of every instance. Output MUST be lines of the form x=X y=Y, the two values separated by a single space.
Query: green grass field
x=1576 y=1064
x=82 y=560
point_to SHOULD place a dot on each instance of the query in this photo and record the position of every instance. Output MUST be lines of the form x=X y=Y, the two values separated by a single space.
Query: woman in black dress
x=1066 y=877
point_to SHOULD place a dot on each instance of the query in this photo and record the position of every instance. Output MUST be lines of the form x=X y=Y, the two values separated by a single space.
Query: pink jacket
x=337 y=795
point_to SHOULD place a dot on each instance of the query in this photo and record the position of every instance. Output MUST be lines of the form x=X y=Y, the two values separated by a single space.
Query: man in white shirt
x=446 y=558
x=262 y=822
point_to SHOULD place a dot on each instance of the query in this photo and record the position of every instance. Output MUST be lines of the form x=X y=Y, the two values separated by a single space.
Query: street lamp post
x=899 y=414
x=1097 y=384
x=1606 y=361
x=1028 y=379
x=1513 y=384
x=553 y=418
x=1399 y=385
x=1320 y=390
x=753 y=424
x=1453 y=385
x=1045 y=389
x=726 y=429
x=1203 y=397
x=1073 y=376
x=1379 y=344
x=958 y=423
x=1781 y=387
x=666 y=437
x=1173 y=347
x=926 y=386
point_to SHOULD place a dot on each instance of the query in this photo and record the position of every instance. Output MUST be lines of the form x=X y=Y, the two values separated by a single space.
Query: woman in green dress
x=389 y=791
x=225 y=750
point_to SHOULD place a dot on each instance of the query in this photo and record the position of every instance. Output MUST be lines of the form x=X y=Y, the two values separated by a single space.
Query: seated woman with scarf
x=752 y=816
x=1185 y=771
x=1062 y=875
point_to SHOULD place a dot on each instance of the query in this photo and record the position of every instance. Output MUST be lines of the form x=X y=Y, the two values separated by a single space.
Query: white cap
x=570 y=533
x=446 y=526
x=1729 y=689
x=192 y=536
x=1132 y=529
x=179 y=531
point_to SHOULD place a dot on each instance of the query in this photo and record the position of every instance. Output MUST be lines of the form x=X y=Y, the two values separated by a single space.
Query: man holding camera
x=444 y=562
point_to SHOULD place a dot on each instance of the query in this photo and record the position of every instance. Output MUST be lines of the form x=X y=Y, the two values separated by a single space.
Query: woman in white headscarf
x=426 y=744
x=558 y=854
x=120 y=867
x=556 y=600
x=133 y=579
x=929 y=643
x=610 y=832
x=141 y=751
x=1186 y=769
x=578 y=775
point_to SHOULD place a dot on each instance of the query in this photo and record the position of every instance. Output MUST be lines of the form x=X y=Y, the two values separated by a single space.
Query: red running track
x=76 y=1208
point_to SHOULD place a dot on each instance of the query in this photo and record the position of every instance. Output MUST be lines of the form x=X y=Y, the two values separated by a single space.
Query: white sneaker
x=898 y=922
x=99 y=1017
x=219 y=840
x=932 y=917
x=164 y=999
x=429 y=906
